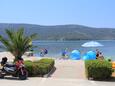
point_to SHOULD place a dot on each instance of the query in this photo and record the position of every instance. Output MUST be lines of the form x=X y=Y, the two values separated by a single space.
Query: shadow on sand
x=51 y=72
x=112 y=79
x=12 y=78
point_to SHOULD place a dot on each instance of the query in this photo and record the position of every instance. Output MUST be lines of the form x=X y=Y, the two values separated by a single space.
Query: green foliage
x=39 y=68
x=97 y=69
x=109 y=60
x=46 y=61
x=17 y=43
x=29 y=67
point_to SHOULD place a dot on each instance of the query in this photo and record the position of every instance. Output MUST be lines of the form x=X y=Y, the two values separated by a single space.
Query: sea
x=55 y=48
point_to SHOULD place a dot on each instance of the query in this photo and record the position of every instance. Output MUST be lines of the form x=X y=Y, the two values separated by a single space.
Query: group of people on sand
x=99 y=54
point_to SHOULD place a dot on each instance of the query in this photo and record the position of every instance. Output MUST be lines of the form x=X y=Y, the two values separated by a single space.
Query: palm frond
x=17 y=43
x=5 y=42
x=10 y=35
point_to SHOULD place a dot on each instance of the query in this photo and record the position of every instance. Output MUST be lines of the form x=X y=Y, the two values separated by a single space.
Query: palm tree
x=17 y=43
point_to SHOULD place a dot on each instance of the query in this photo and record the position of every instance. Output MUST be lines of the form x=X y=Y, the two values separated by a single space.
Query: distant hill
x=63 y=32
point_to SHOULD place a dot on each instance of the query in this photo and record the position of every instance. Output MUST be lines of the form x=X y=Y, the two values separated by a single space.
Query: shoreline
x=33 y=58
x=25 y=57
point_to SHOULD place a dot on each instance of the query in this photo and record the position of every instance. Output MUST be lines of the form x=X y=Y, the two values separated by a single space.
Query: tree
x=17 y=42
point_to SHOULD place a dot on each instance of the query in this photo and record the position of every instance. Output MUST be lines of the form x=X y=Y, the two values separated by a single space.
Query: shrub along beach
x=98 y=70
x=40 y=67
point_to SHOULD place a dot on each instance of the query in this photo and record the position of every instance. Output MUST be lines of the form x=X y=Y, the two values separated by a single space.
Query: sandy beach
x=25 y=57
x=11 y=57
x=6 y=54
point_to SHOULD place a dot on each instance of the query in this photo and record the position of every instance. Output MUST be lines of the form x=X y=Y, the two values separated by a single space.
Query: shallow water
x=55 y=47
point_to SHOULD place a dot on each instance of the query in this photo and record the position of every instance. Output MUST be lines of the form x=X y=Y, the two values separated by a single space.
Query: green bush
x=98 y=70
x=40 y=67
x=31 y=68
x=49 y=62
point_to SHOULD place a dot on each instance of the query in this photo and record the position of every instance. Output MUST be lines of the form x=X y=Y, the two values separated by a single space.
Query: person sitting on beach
x=45 y=51
x=42 y=52
x=101 y=57
x=97 y=53
x=64 y=53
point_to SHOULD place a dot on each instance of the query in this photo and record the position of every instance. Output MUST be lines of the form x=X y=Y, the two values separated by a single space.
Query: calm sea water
x=55 y=47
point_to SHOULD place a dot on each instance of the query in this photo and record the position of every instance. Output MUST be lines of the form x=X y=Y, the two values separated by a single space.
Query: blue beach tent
x=86 y=57
x=90 y=55
x=75 y=55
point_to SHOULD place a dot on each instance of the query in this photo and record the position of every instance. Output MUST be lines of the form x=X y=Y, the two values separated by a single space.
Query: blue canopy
x=90 y=55
x=75 y=55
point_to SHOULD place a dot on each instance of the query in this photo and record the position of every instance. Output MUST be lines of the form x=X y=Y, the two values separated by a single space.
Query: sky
x=94 y=13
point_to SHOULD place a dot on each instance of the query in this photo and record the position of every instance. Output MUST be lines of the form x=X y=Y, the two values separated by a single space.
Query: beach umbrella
x=75 y=55
x=91 y=44
x=90 y=55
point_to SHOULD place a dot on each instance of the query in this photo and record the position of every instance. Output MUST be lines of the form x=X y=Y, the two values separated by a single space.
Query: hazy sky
x=97 y=13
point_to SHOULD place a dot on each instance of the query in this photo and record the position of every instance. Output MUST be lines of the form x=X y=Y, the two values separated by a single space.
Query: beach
x=11 y=57
x=6 y=54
